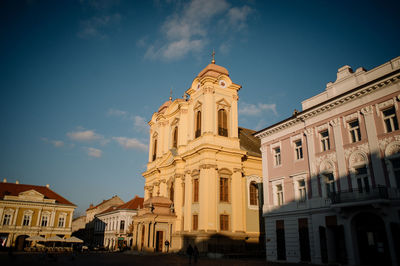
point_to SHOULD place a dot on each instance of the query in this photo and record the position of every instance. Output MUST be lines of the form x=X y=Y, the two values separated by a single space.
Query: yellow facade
x=26 y=212
x=203 y=162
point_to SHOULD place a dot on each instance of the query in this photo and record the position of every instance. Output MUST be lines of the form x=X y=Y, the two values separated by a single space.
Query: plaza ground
x=126 y=258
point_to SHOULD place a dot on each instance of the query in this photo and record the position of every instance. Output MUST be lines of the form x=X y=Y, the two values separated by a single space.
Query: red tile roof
x=110 y=209
x=14 y=190
x=133 y=204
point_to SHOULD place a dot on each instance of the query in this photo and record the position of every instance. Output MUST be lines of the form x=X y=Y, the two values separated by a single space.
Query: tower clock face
x=222 y=83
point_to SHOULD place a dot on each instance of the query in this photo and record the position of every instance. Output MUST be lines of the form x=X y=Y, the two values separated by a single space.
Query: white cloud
x=96 y=26
x=256 y=109
x=186 y=31
x=116 y=112
x=84 y=135
x=131 y=143
x=55 y=143
x=238 y=17
x=191 y=27
x=140 y=123
x=93 y=152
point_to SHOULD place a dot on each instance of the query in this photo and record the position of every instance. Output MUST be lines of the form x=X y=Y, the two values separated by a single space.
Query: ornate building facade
x=113 y=227
x=28 y=210
x=203 y=177
x=331 y=173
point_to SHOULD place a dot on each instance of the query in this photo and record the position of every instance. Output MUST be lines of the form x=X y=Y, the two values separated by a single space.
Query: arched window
x=198 y=124
x=155 y=149
x=171 y=192
x=175 y=138
x=253 y=193
x=222 y=123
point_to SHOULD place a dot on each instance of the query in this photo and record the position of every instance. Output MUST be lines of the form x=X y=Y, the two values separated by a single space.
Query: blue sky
x=80 y=79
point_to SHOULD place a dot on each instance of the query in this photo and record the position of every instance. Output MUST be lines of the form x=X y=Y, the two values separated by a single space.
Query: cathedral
x=203 y=183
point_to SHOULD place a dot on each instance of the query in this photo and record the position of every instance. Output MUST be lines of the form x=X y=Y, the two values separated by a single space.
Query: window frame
x=224 y=187
x=354 y=132
x=197 y=130
x=196 y=189
x=277 y=156
x=325 y=140
x=223 y=122
x=195 y=222
x=393 y=120
x=224 y=222
x=7 y=219
x=299 y=151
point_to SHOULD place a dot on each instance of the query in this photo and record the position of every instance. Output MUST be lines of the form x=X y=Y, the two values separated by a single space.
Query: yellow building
x=28 y=210
x=204 y=172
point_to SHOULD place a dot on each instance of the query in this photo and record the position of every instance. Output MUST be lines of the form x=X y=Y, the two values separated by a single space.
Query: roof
x=104 y=201
x=14 y=190
x=164 y=106
x=110 y=209
x=213 y=70
x=248 y=142
x=133 y=204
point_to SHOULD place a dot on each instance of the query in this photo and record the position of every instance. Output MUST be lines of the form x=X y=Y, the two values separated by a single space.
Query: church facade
x=203 y=181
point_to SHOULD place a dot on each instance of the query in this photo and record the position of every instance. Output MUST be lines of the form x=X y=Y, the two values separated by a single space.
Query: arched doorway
x=371 y=239
x=20 y=242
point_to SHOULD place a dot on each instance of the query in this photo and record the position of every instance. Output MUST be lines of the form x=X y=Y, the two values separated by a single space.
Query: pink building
x=331 y=173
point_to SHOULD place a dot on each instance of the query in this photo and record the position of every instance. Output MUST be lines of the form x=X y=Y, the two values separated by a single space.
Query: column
x=234 y=117
x=15 y=217
x=266 y=191
x=337 y=135
x=178 y=197
x=208 y=118
x=309 y=133
x=373 y=145
x=38 y=218
x=237 y=203
x=208 y=198
x=188 y=202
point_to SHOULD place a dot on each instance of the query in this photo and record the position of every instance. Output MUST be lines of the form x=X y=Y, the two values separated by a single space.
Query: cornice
x=331 y=104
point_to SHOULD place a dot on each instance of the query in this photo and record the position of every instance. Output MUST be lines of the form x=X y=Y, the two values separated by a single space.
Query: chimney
x=17 y=182
x=47 y=185
x=5 y=180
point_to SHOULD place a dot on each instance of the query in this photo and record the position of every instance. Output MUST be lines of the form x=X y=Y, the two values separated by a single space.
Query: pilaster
x=237 y=203
x=337 y=135
x=309 y=133
x=373 y=145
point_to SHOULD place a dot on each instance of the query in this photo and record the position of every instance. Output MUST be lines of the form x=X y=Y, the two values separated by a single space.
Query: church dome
x=213 y=70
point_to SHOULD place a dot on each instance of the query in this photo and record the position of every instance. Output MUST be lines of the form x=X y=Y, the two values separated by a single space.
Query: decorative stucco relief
x=362 y=147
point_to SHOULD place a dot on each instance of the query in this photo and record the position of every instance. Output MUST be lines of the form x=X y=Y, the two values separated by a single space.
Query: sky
x=79 y=80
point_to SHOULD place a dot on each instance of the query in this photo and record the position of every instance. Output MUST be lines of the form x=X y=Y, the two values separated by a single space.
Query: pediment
x=31 y=194
x=167 y=160
x=223 y=103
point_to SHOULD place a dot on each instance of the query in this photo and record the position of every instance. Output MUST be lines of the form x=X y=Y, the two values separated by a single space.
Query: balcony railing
x=362 y=195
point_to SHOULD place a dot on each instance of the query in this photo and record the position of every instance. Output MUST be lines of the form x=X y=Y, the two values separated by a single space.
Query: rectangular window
x=61 y=222
x=302 y=190
x=325 y=144
x=390 y=119
x=27 y=219
x=330 y=184
x=196 y=190
x=279 y=195
x=122 y=225
x=277 y=156
x=7 y=219
x=355 y=132
x=195 y=222
x=223 y=189
x=299 y=150
x=44 y=220
x=362 y=179
x=224 y=222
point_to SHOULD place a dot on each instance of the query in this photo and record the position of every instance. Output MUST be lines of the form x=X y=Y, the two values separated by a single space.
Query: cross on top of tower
x=213 y=57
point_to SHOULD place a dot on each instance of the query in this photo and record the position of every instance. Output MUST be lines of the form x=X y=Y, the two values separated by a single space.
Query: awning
x=55 y=239
x=36 y=238
x=73 y=239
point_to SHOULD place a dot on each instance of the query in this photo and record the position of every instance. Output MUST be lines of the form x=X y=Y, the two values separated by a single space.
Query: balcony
x=356 y=195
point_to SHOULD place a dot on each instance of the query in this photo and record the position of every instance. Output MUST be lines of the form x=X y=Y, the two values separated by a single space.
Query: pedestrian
x=189 y=252
x=195 y=253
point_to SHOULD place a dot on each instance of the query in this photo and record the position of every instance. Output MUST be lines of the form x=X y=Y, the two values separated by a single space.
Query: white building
x=331 y=173
x=112 y=227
